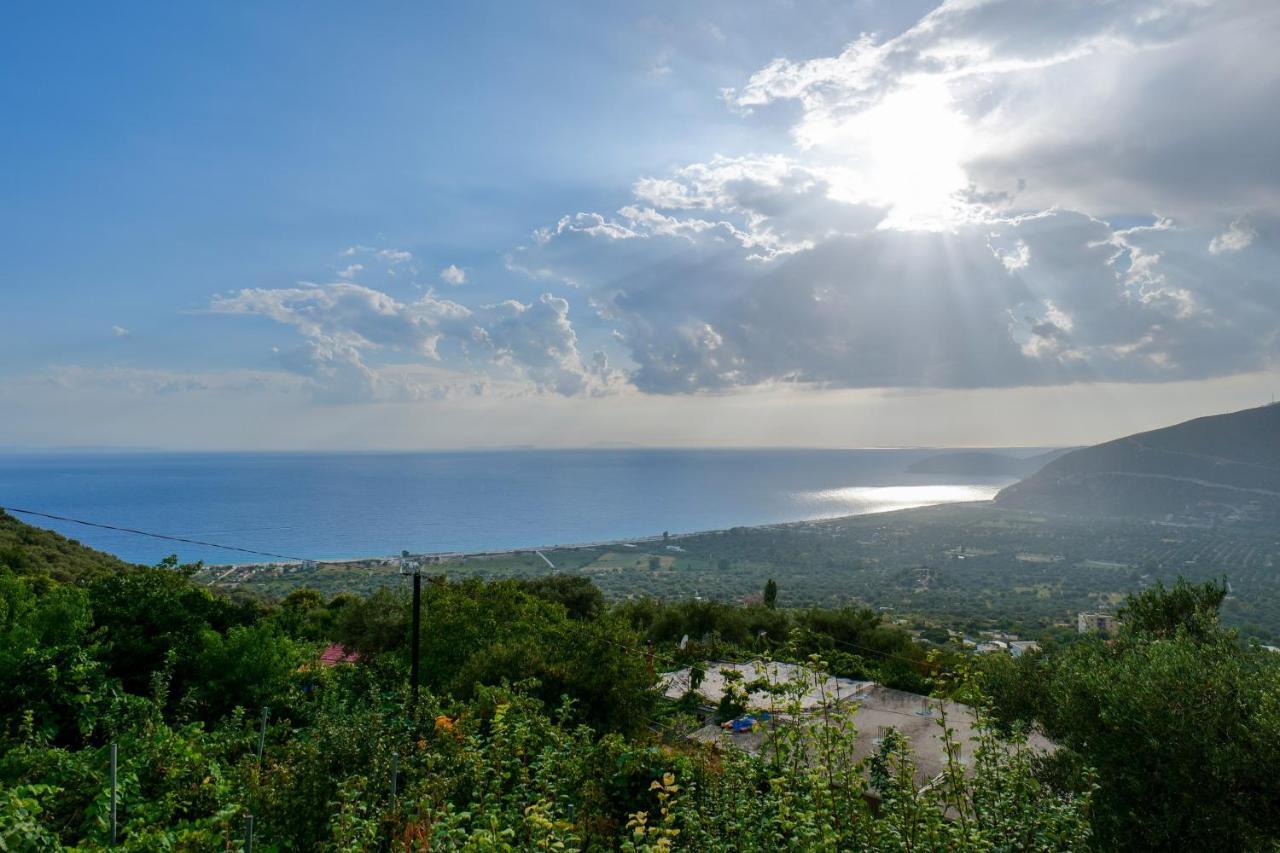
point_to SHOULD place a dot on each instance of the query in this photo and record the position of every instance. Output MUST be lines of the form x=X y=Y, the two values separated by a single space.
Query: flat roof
x=870 y=708
x=813 y=689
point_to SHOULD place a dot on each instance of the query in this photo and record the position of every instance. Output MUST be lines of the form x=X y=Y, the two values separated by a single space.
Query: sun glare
x=855 y=500
x=904 y=153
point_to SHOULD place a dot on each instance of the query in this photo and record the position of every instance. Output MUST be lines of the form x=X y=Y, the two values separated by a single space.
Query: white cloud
x=660 y=65
x=538 y=340
x=453 y=275
x=1015 y=258
x=342 y=324
x=390 y=261
x=120 y=331
x=1237 y=236
x=1086 y=103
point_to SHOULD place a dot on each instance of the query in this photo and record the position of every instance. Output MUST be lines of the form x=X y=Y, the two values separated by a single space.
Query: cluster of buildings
x=995 y=641
x=1008 y=643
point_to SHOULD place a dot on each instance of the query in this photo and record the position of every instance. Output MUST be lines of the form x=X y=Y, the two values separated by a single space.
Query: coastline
x=347 y=507
x=440 y=557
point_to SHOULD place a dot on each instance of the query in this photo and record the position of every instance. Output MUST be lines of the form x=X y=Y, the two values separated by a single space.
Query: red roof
x=338 y=653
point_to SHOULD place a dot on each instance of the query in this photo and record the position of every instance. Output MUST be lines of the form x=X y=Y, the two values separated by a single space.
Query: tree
x=1160 y=612
x=1179 y=719
x=771 y=594
x=303 y=614
x=152 y=620
x=935 y=635
x=580 y=597
x=47 y=663
x=479 y=634
x=248 y=666
x=375 y=624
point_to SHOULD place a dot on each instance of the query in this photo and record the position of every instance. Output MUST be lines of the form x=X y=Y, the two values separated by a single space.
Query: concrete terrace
x=872 y=709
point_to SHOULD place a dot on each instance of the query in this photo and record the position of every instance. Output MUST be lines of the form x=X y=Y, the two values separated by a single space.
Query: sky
x=328 y=225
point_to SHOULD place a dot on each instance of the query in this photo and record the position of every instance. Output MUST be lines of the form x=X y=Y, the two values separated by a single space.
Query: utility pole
x=417 y=629
x=262 y=732
x=113 y=795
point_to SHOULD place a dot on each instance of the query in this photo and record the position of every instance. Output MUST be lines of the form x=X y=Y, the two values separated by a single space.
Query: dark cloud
x=1081 y=301
x=942 y=221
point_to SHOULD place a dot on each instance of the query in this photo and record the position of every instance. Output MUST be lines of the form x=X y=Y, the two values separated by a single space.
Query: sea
x=321 y=506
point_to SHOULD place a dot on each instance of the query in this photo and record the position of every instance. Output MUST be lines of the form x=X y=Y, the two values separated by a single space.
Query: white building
x=1018 y=648
x=1087 y=623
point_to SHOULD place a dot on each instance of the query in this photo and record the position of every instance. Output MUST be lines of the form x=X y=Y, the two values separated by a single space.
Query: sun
x=905 y=153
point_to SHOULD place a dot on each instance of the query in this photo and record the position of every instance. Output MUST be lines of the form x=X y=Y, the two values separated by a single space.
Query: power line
x=651 y=653
x=152 y=535
x=648 y=652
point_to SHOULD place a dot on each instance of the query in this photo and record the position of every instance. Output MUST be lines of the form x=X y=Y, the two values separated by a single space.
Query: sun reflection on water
x=858 y=500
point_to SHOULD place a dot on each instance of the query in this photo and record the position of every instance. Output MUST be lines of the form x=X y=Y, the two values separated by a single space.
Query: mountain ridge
x=1216 y=468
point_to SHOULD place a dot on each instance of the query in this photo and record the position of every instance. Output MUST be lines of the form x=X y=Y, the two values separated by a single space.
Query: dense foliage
x=538 y=728
x=1180 y=719
x=31 y=550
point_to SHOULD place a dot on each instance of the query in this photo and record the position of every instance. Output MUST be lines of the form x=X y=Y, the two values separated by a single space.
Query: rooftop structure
x=336 y=654
x=817 y=689
x=874 y=709
x=1087 y=623
x=1018 y=648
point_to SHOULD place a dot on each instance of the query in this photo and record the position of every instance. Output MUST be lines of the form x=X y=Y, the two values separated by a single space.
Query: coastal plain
x=972 y=564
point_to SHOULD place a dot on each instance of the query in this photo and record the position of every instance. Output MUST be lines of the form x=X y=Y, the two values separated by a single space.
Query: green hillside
x=36 y=551
x=1217 y=469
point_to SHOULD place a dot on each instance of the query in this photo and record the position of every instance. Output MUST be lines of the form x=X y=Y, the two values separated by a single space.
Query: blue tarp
x=748 y=723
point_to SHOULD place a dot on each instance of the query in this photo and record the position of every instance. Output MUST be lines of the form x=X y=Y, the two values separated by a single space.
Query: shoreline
x=444 y=556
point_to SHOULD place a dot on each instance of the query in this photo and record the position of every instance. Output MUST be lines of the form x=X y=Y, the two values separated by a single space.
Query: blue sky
x=159 y=153
x=227 y=226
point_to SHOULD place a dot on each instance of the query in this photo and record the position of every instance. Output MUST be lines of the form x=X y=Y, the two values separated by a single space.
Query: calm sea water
x=336 y=505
